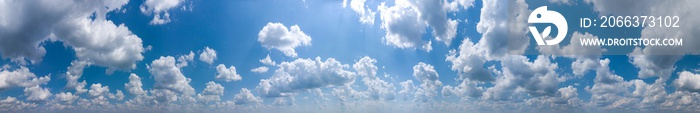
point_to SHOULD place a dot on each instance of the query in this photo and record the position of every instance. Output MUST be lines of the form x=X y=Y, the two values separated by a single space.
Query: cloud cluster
x=208 y=55
x=304 y=74
x=21 y=77
x=160 y=8
x=168 y=77
x=227 y=74
x=277 y=36
x=406 y=21
x=364 y=12
x=80 y=25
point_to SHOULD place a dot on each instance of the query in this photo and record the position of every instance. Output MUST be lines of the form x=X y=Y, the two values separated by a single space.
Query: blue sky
x=334 y=56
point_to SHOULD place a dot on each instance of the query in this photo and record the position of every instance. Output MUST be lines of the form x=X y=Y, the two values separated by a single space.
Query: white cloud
x=608 y=87
x=660 y=60
x=586 y=56
x=657 y=61
x=12 y=104
x=433 y=12
x=208 y=55
x=653 y=65
x=227 y=74
x=169 y=78
x=245 y=97
x=456 y=4
x=303 y=74
x=366 y=67
x=687 y=81
x=281 y=101
x=402 y=25
x=102 y=43
x=66 y=97
x=74 y=72
x=277 y=36
x=80 y=25
x=119 y=95
x=467 y=89
x=268 y=61
x=211 y=93
x=183 y=60
x=260 y=70
x=158 y=8
x=469 y=62
x=406 y=22
x=213 y=89
x=500 y=25
x=366 y=14
x=533 y=79
x=346 y=93
x=37 y=93
x=96 y=90
x=426 y=74
x=377 y=89
x=21 y=77
x=407 y=88
x=134 y=85
x=164 y=95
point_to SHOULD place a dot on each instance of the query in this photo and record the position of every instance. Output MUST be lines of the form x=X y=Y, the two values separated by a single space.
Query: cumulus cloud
x=653 y=65
x=406 y=21
x=227 y=74
x=366 y=67
x=586 y=57
x=211 y=93
x=277 y=36
x=213 y=89
x=80 y=25
x=535 y=79
x=403 y=26
x=268 y=61
x=377 y=89
x=159 y=8
x=456 y=4
x=66 y=97
x=12 y=104
x=656 y=61
x=36 y=93
x=426 y=74
x=21 y=77
x=183 y=60
x=102 y=43
x=469 y=62
x=75 y=71
x=245 y=97
x=467 y=89
x=407 y=88
x=608 y=88
x=687 y=81
x=96 y=90
x=303 y=74
x=364 y=12
x=660 y=60
x=169 y=78
x=134 y=86
x=496 y=34
x=260 y=70
x=208 y=55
